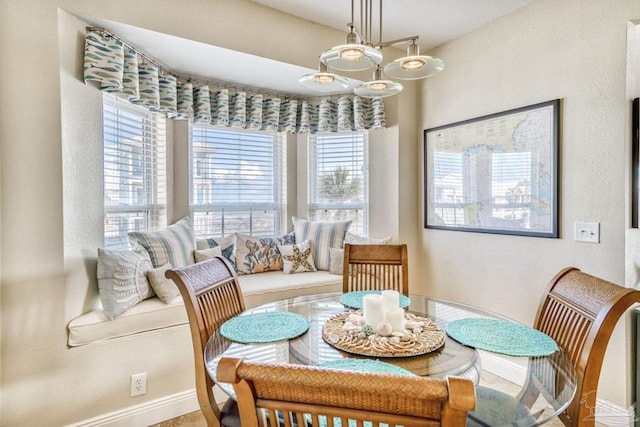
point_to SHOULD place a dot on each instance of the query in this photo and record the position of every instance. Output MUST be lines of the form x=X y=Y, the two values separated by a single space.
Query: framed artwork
x=635 y=161
x=495 y=174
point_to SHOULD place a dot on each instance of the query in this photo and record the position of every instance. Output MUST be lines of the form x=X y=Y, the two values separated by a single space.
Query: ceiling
x=434 y=21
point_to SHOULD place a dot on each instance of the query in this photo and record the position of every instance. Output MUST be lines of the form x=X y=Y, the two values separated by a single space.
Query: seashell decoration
x=384 y=329
x=346 y=332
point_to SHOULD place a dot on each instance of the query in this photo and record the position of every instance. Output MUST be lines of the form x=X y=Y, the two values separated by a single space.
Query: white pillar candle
x=395 y=317
x=372 y=309
x=390 y=300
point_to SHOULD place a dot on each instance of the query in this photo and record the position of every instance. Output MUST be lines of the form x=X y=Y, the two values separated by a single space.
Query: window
x=134 y=170
x=237 y=181
x=339 y=179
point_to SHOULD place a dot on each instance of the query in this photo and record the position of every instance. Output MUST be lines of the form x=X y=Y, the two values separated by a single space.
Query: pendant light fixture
x=354 y=55
x=359 y=53
x=414 y=66
x=324 y=81
x=378 y=87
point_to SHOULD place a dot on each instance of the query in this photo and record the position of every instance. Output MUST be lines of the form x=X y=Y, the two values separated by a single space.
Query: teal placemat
x=365 y=365
x=501 y=336
x=264 y=327
x=354 y=299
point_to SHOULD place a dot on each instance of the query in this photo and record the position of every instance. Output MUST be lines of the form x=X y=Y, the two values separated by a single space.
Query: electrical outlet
x=138 y=384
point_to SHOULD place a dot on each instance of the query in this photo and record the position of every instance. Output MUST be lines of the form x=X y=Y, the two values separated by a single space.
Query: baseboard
x=607 y=413
x=502 y=366
x=147 y=413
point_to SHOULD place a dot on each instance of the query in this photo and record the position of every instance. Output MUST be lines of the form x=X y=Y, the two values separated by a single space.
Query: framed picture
x=635 y=161
x=495 y=174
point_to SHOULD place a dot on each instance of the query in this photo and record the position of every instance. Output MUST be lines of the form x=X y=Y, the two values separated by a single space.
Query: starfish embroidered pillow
x=297 y=258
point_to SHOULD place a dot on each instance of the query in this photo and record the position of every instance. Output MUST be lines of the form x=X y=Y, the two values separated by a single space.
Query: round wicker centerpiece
x=347 y=332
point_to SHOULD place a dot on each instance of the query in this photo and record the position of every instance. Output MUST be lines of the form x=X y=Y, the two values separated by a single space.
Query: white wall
x=51 y=198
x=574 y=50
x=49 y=135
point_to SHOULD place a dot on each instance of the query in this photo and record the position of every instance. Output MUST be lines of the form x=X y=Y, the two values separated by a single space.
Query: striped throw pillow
x=323 y=235
x=174 y=244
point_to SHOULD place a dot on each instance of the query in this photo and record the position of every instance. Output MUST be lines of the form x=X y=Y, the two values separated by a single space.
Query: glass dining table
x=499 y=378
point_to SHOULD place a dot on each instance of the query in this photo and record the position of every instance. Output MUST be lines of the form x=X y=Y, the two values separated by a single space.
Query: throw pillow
x=260 y=254
x=174 y=244
x=336 y=255
x=336 y=260
x=297 y=258
x=354 y=239
x=227 y=246
x=122 y=280
x=323 y=235
x=163 y=287
x=205 y=254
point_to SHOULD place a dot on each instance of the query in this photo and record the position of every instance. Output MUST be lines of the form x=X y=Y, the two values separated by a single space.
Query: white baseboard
x=147 y=413
x=607 y=413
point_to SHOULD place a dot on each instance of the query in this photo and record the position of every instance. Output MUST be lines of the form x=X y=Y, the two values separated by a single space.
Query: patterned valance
x=117 y=68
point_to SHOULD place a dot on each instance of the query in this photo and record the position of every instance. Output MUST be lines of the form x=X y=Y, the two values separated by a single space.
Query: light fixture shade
x=352 y=57
x=414 y=67
x=324 y=82
x=378 y=88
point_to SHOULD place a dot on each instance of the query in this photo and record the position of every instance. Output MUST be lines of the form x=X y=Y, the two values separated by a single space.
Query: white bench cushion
x=275 y=285
x=152 y=314
x=147 y=315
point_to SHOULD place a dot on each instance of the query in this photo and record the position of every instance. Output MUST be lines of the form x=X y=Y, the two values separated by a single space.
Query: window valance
x=118 y=68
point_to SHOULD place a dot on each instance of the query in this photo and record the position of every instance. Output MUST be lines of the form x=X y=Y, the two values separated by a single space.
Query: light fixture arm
x=412 y=39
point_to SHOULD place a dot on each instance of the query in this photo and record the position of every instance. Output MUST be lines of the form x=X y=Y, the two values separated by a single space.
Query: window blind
x=134 y=147
x=339 y=178
x=237 y=181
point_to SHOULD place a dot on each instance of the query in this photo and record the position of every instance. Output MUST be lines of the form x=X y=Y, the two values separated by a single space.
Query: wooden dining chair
x=579 y=312
x=212 y=296
x=284 y=395
x=375 y=267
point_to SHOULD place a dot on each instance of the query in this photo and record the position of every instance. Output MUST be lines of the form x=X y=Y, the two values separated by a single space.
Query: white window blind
x=134 y=147
x=339 y=179
x=237 y=181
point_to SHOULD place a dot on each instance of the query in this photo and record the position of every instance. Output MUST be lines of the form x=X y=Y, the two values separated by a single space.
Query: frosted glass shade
x=378 y=88
x=324 y=82
x=351 y=57
x=414 y=67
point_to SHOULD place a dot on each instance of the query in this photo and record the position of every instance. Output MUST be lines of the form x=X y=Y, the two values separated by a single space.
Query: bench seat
x=153 y=315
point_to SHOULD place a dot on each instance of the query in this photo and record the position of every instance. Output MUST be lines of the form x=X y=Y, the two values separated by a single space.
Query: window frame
x=314 y=203
x=122 y=120
x=276 y=208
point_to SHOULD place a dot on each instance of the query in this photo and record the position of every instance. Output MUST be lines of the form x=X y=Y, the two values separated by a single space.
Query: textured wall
x=574 y=50
x=51 y=204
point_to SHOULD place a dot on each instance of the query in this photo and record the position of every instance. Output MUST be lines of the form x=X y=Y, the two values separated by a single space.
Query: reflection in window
x=448 y=188
x=483 y=187
x=511 y=188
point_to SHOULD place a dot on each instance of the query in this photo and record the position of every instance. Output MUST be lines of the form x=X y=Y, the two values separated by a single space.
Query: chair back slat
x=288 y=394
x=375 y=267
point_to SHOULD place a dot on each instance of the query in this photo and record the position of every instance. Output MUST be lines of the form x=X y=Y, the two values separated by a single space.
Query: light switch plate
x=588 y=232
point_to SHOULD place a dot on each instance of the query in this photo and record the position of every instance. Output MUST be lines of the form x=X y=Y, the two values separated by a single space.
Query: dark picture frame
x=496 y=173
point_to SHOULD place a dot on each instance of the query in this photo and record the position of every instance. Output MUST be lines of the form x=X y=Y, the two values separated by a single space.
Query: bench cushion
x=153 y=315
